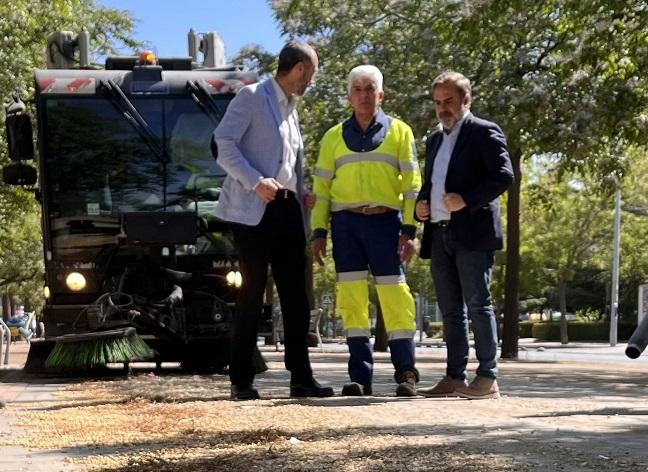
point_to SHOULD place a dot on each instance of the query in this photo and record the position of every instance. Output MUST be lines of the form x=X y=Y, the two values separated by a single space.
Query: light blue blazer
x=250 y=147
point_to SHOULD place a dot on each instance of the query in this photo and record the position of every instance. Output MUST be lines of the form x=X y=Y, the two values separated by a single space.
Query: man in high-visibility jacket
x=366 y=181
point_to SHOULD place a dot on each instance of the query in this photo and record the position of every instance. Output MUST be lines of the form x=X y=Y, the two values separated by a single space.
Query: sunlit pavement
x=614 y=387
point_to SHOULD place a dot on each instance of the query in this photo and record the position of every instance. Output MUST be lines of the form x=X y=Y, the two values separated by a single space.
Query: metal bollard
x=638 y=340
x=5 y=333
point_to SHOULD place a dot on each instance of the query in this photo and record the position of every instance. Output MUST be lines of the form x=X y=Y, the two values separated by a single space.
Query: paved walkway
x=15 y=387
x=616 y=392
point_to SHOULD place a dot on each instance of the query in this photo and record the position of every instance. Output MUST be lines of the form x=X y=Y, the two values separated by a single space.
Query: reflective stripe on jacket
x=387 y=176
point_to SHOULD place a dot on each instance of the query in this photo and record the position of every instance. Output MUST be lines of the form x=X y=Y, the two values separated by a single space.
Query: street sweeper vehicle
x=136 y=264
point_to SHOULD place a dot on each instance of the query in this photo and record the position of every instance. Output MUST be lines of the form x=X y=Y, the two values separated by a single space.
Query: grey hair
x=366 y=72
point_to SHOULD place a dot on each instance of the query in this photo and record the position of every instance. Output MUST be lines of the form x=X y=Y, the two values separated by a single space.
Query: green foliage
x=586 y=314
x=580 y=331
x=434 y=329
x=545 y=71
x=570 y=224
x=564 y=78
x=254 y=57
x=21 y=249
x=563 y=225
x=589 y=289
x=532 y=304
x=24 y=27
x=525 y=328
x=634 y=232
x=324 y=281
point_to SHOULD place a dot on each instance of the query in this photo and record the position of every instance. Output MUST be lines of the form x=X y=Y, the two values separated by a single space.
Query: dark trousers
x=279 y=241
x=462 y=279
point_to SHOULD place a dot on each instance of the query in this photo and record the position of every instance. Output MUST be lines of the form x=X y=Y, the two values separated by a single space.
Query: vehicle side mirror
x=19 y=137
x=19 y=174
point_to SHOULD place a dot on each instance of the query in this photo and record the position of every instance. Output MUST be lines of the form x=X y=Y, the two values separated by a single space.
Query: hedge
x=550 y=330
x=525 y=328
x=434 y=329
x=580 y=331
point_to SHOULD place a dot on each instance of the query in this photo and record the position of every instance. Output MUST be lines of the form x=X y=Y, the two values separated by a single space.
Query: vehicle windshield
x=96 y=166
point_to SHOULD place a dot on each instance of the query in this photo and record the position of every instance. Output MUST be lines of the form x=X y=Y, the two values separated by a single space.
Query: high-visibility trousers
x=370 y=242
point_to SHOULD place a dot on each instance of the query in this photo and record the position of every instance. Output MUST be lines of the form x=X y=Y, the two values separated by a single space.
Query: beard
x=448 y=120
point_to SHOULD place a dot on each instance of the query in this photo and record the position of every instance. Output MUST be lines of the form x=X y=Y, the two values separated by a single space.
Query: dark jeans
x=462 y=276
x=279 y=241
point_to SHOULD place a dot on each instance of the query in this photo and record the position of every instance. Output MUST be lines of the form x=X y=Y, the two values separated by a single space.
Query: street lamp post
x=614 y=299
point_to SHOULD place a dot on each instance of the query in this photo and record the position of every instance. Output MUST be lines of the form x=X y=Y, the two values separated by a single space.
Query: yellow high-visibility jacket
x=387 y=176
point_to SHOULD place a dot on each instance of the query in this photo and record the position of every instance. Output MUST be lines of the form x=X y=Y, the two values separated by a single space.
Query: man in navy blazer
x=467 y=167
x=260 y=146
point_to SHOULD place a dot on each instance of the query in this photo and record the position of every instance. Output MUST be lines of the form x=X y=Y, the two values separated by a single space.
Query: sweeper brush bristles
x=90 y=350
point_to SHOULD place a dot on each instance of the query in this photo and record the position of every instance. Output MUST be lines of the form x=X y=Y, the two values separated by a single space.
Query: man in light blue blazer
x=259 y=145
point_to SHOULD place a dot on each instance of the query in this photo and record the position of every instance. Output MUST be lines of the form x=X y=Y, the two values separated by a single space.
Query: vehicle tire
x=206 y=357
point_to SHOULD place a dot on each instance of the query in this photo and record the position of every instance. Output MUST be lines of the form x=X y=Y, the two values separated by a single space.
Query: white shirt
x=438 y=210
x=289 y=131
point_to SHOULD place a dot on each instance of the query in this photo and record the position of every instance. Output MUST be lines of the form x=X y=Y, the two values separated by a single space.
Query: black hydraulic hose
x=639 y=340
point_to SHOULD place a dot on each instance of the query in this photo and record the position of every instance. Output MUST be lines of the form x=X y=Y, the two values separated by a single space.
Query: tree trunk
x=380 y=343
x=5 y=307
x=562 y=293
x=512 y=287
x=310 y=290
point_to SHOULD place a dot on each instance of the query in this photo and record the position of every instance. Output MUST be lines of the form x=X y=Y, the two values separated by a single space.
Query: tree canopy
x=561 y=77
x=24 y=27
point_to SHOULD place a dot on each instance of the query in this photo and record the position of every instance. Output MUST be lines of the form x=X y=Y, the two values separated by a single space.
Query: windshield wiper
x=205 y=101
x=128 y=110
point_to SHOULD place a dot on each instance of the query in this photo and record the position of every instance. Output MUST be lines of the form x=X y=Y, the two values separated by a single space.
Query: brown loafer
x=447 y=387
x=480 y=388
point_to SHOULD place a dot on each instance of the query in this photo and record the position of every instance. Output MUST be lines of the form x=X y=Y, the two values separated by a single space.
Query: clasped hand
x=452 y=201
x=268 y=187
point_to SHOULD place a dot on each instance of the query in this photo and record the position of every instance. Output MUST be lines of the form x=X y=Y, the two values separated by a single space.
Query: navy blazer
x=480 y=171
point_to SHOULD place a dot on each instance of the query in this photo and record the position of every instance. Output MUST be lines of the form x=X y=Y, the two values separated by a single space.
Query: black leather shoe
x=310 y=388
x=244 y=392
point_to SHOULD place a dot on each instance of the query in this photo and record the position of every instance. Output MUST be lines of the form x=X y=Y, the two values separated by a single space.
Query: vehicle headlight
x=234 y=278
x=75 y=281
